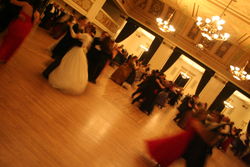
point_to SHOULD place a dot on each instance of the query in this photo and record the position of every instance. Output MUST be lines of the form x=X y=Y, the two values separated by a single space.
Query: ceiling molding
x=236 y=13
x=180 y=39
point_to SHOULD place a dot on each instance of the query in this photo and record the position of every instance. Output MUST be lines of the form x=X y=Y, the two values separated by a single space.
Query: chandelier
x=164 y=25
x=227 y=104
x=240 y=73
x=211 y=28
x=184 y=75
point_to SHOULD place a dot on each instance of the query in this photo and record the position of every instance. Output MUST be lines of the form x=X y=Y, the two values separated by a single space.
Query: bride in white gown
x=71 y=76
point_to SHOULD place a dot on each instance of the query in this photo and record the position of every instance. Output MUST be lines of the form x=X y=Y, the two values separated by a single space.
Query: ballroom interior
x=41 y=126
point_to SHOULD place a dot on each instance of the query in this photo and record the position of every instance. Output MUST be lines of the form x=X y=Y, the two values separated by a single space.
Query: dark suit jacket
x=66 y=43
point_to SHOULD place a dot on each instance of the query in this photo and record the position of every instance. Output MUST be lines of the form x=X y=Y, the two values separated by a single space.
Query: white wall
x=161 y=56
x=182 y=66
x=133 y=42
x=212 y=90
x=240 y=114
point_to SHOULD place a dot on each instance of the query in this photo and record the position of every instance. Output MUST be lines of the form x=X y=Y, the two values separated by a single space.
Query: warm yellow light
x=208 y=20
x=221 y=21
x=211 y=28
x=226 y=35
x=159 y=20
x=219 y=27
x=199 y=18
x=144 y=47
x=216 y=36
x=198 y=23
x=216 y=18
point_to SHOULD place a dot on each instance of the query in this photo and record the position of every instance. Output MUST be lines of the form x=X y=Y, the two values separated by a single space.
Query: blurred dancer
x=18 y=28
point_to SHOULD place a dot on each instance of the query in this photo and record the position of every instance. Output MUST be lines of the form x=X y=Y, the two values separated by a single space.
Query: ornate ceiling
x=217 y=55
x=237 y=16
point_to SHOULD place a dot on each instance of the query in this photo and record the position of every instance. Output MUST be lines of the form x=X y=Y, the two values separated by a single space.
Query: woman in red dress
x=18 y=29
x=192 y=143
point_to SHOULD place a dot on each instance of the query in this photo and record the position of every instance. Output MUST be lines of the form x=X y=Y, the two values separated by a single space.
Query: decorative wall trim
x=234 y=12
x=84 y=4
x=156 y=8
x=193 y=32
x=208 y=57
x=76 y=7
x=108 y=22
x=222 y=50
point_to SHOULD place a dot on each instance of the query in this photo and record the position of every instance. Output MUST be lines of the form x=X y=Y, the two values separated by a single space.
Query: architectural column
x=161 y=56
x=146 y=56
x=95 y=8
x=212 y=90
x=120 y=29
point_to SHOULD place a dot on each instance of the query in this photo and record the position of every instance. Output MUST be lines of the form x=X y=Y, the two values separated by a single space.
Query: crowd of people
x=203 y=131
x=55 y=19
x=79 y=57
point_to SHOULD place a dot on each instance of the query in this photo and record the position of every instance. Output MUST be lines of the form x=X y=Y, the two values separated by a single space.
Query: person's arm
x=209 y=137
x=159 y=83
x=37 y=17
x=72 y=32
x=18 y=3
x=86 y=40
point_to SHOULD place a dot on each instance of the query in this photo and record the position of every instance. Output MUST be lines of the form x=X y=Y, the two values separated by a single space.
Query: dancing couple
x=69 y=70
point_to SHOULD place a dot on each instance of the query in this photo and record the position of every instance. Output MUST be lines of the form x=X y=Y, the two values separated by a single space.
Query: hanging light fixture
x=227 y=104
x=211 y=28
x=184 y=75
x=164 y=25
x=240 y=73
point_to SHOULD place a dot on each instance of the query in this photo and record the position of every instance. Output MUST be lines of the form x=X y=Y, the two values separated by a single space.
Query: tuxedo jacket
x=67 y=43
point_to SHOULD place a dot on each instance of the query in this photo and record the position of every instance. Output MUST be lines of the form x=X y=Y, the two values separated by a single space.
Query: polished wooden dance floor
x=42 y=127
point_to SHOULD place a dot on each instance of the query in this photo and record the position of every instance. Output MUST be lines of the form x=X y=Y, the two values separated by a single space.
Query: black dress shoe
x=94 y=82
x=45 y=75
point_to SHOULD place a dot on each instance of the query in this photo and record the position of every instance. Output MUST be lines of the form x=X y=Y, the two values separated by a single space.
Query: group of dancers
x=55 y=19
x=52 y=14
x=79 y=57
x=156 y=90
x=203 y=131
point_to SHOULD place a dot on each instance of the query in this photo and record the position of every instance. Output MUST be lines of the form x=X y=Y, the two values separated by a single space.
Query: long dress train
x=71 y=76
x=169 y=149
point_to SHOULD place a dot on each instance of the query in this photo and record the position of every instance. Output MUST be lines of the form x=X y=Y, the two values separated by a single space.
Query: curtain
x=226 y=92
x=129 y=28
x=207 y=75
x=172 y=59
x=146 y=56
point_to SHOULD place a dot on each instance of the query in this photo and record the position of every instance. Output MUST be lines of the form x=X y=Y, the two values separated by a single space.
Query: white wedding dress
x=71 y=76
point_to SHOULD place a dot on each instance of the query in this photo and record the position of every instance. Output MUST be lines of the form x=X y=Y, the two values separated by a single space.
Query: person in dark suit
x=48 y=13
x=97 y=57
x=64 y=45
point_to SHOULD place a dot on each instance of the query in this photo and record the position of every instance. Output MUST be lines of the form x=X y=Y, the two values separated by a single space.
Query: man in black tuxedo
x=48 y=13
x=95 y=62
x=64 y=45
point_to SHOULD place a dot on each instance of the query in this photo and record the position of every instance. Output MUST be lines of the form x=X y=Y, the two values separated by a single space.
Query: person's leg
x=196 y=153
x=137 y=99
x=99 y=68
x=50 y=68
x=136 y=92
